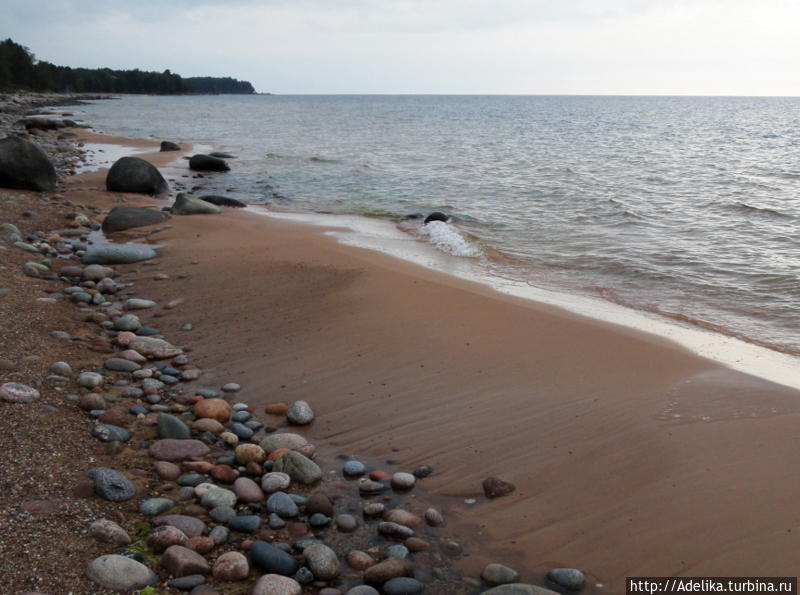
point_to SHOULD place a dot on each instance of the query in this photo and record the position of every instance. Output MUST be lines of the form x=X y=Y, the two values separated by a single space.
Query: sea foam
x=448 y=238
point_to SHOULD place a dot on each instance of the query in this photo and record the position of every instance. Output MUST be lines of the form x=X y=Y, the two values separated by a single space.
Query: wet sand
x=631 y=455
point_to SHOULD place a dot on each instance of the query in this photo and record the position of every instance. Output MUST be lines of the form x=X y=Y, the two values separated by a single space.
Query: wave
x=449 y=239
x=743 y=207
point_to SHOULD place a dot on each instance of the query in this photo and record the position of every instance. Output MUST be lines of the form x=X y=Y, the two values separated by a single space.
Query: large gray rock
x=207 y=163
x=298 y=467
x=24 y=165
x=269 y=558
x=118 y=254
x=322 y=561
x=132 y=174
x=120 y=218
x=186 y=204
x=111 y=485
x=120 y=573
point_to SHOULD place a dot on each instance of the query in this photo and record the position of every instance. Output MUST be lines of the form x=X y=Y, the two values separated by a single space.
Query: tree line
x=19 y=70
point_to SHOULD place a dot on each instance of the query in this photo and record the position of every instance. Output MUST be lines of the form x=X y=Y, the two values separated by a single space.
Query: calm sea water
x=685 y=207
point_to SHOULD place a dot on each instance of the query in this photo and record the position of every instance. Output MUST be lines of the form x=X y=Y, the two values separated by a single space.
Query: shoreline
x=552 y=401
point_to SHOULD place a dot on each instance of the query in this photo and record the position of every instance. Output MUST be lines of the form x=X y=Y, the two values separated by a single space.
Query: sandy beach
x=631 y=455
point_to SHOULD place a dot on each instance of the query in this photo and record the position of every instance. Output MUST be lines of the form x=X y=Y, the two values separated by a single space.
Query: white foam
x=384 y=236
x=448 y=239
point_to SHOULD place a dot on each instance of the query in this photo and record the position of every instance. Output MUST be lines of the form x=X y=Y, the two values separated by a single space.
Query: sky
x=629 y=47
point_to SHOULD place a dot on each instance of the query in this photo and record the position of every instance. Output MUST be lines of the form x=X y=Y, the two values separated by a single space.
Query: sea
x=684 y=210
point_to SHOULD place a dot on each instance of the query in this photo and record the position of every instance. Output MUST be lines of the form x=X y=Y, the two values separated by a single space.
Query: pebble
x=373 y=508
x=319 y=502
x=119 y=364
x=281 y=504
x=128 y=322
x=322 y=561
x=231 y=566
x=319 y=520
x=390 y=568
x=568 y=578
x=247 y=523
x=108 y=531
x=369 y=487
x=181 y=561
x=190 y=526
x=231 y=387
x=169 y=426
x=216 y=496
x=109 y=433
x=14 y=392
x=161 y=538
x=353 y=469
x=276 y=522
x=222 y=514
x=494 y=487
x=90 y=379
x=120 y=573
x=397 y=551
x=247 y=490
x=187 y=583
x=403 y=517
x=111 y=485
x=403 y=481
x=61 y=368
x=219 y=534
x=395 y=530
x=403 y=585
x=452 y=549
x=497 y=574
x=242 y=431
x=362 y=590
x=167 y=470
x=346 y=523
x=272 y=559
x=274 y=584
x=137 y=304
x=213 y=408
x=155 y=506
x=299 y=468
x=176 y=450
x=434 y=518
x=300 y=413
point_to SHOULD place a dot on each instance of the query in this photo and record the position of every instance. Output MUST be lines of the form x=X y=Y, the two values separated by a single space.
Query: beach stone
x=181 y=561
x=201 y=162
x=274 y=584
x=25 y=166
x=128 y=322
x=318 y=520
x=165 y=536
x=373 y=508
x=249 y=453
x=200 y=544
x=497 y=574
x=359 y=560
x=395 y=530
x=322 y=561
x=286 y=440
x=109 y=433
x=354 y=469
x=223 y=473
x=242 y=431
x=223 y=201
x=14 y=392
x=271 y=559
x=216 y=496
x=132 y=174
x=219 y=534
x=231 y=566
x=415 y=544
x=217 y=409
x=568 y=578
x=117 y=254
x=300 y=413
x=96 y=272
x=170 y=427
x=281 y=503
x=275 y=481
x=35 y=270
x=246 y=523
x=167 y=470
x=231 y=387
x=362 y=590
x=319 y=503
x=403 y=481
x=206 y=424
x=191 y=479
x=190 y=526
x=276 y=408
x=176 y=450
x=387 y=570
x=368 y=487
x=346 y=523
x=108 y=531
x=115 y=417
x=519 y=589
x=299 y=468
x=155 y=506
x=92 y=401
x=167 y=145
x=434 y=518
x=187 y=583
x=402 y=517
x=494 y=487
x=247 y=490
x=120 y=218
x=138 y=304
x=153 y=347
x=222 y=514
x=118 y=364
x=111 y=485
x=403 y=585
x=186 y=204
x=120 y=573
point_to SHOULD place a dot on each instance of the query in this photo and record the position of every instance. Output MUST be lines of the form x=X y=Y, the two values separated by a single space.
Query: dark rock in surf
x=131 y=174
x=207 y=163
x=223 y=201
x=413 y=216
x=437 y=216
x=167 y=145
x=120 y=218
x=221 y=155
x=186 y=204
x=24 y=165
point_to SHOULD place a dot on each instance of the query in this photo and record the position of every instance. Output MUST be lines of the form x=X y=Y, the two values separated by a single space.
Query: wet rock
x=117 y=254
x=155 y=506
x=272 y=559
x=186 y=204
x=300 y=413
x=362 y=590
x=299 y=468
x=138 y=304
x=167 y=145
x=164 y=537
x=403 y=585
x=359 y=560
x=108 y=531
x=223 y=201
x=167 y=470
x=423 y=471
x=170 y=427
x=319 y=503
x=285 y=440
x=403 y=481
x=437 y=216
x=120 y=573
x=181 y=561
x=274 y=584
x=154 y=348
x=275 y=482
x=132 y=174
x=121 y=218
x=200 y=544
x=202 y=162
x=249 y=453
x=111 y=485
x=497 y=574
x=403 y=517
x=354 y=469
x=216 y=496
x=217 y=409
x=190 y=526
x=14 y=392
x=387 y=570
x=187 y=583
x=246 y=523
x=519 y=589
x=109 y=433
x=231 y=566
x=24 y=165
x=247 y=490
x=92 y=401
x=118 y=364
x=322 y=561
x=177 y=450
x=395 y=530
x=568 y=578
x=346 y=523
x=281 y=503
x=494 y=487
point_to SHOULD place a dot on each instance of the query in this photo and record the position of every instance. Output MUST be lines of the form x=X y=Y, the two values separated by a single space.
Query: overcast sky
x=695 y=47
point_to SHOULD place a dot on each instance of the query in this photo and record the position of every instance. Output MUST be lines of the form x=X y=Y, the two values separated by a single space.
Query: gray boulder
x=186 y=204
x=298 y=467
x=132 y=174
x=24 y=165
x=167 y=145
x=120 y=218
x=120 y=573
x=118 y=254
x=207 y=163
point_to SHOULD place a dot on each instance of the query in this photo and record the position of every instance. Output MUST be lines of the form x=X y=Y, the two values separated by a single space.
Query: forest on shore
x=19 y=70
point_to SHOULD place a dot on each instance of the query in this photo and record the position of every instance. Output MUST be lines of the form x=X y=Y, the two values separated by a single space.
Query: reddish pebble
x=200 y=544
x=115 y=417
x=254 y=468
x=378 y=475
x=246 y=544
x=198 y=466
x=277 y=454
x=276 y=408
x=223 y=473
x=218 y=409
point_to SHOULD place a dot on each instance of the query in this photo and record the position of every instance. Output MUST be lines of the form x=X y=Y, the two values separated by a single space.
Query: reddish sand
x=400 y=362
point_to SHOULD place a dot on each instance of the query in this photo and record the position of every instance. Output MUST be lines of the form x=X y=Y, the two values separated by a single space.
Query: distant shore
x=587 y=419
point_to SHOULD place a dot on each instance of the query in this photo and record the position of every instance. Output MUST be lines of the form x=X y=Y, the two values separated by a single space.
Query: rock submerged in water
x=132 y=174
x=202 y=162
x=437 y=216
x=118 y=254
x=121 y=218
x=299 y=468
x=223 y=201
x=167 y=145
x=186 y=204
x=25 y=166
x=120 y=573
